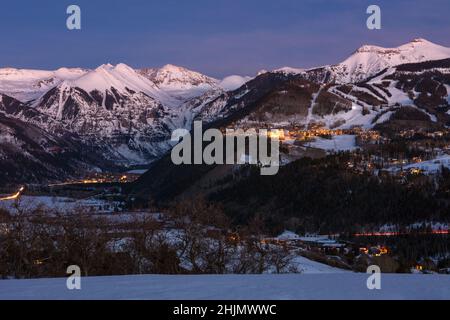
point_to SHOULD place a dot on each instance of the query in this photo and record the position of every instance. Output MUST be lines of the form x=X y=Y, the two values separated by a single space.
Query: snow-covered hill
x=336 y=286
x=233 y=82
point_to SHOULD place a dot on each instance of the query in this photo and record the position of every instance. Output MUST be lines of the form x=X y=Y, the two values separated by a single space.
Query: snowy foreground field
x=234 y=287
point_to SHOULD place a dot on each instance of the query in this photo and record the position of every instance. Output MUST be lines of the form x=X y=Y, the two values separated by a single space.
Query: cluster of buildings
x=365 y=137
x=107 y=177
x=410 y=133
x=101 y=178
x=326 y=245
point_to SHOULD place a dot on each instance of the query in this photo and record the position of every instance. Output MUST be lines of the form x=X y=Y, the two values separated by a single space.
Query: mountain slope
x=116 y=106
x=411 y=96
x=278 y=99
x=30 y=154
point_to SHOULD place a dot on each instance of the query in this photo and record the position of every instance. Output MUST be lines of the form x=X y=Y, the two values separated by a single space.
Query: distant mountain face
x=127 y=115
x=26 y=85
x=180 y=82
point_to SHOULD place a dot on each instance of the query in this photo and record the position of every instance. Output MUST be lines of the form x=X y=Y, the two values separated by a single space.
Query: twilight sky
x=215 y=37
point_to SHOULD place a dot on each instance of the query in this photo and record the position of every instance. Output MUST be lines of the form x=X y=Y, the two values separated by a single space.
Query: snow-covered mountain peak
x=171 y=75
x=369 y=59
x=122 y=67
x=69 y=73
x=174 y=69
x=104 y=66
x=415 y=44
x=119 y=78
x=369 y=48
x=424 y=49
x=181 y=83
x=290 y=70
x=107 y=76
x=420 y=42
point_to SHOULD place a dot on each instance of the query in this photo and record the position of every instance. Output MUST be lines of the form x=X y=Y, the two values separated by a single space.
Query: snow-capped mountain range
x=174 y=84
x=127 y=115
x=369 y=60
